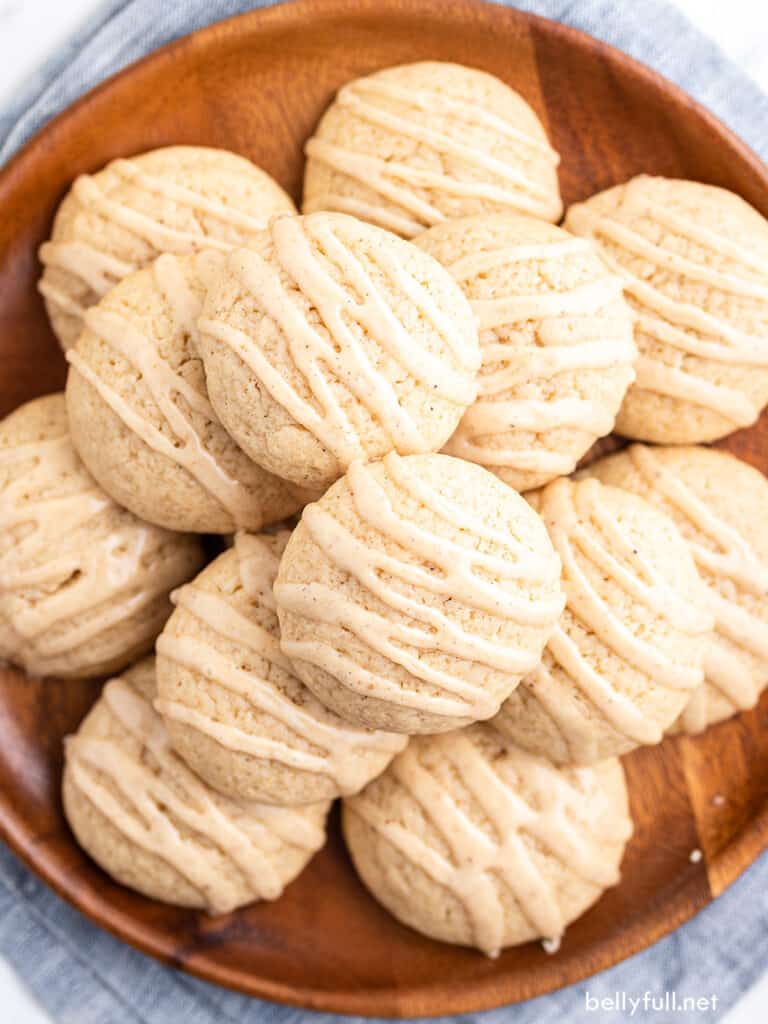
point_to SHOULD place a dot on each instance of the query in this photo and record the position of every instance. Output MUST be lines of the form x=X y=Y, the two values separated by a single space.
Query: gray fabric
x=84 y=976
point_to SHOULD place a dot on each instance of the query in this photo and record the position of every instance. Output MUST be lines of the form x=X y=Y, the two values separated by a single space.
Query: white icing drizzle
x=231 y=216
x=433 y=565
x=432 y=103
x=478 y=866
x=728 y=680
x=186 y=446
x=346 y=311
x=152 y=801
x=733 y=559
x=100 y=271
x=681 y=327
x=583 y=300
x=492 y=179
x=536 y=415
x=566 y=343
x=50 y=577
x=57 y=297
x=483 y=261
x=666 y=380
x=337 y=749
x=582 y=529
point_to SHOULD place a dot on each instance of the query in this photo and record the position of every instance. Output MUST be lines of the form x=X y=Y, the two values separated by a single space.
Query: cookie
x=629 y=649
x=234 y=710
x=416 y=593
x=330 y=340
x=139 y=412
x=154 y=826
x=694 y=259
x=720 y=506
x=414 y=145
x=85 y=584
x=555 y=340
x=478 y=845
x=178 y=199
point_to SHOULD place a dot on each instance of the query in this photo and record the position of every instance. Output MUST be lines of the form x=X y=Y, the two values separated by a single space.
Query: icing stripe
x=584 y=300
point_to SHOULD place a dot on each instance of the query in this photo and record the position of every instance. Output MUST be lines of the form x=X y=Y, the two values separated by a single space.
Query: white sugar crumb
x=718 y=800
x=695 y=856
x=550 y=946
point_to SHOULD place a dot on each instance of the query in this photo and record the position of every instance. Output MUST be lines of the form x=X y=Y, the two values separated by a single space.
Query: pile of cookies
x=462 y=664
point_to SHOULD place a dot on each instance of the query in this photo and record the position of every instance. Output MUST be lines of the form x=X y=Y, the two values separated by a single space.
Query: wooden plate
x=257 y=84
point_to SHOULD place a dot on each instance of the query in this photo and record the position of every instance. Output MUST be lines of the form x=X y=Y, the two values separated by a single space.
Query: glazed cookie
x=629 y=649
x=695 y=264
x=416 y=593
x=155 y=827
x=331 y=340
x=232 y=707
x=555 y=340
x=720 y=505
x=475 y=844
x=179 y=199
x=139 y=411
x=84 y=585
x=411 y=146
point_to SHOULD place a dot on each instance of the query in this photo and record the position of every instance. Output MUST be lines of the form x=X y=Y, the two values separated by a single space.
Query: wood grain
x=257 y=84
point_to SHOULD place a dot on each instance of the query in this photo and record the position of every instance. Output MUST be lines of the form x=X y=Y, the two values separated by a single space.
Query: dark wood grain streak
x=257 y=85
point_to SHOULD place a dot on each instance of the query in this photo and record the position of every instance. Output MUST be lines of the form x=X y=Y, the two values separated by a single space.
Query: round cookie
x=330 y=340
x=695 y=264
x=629 y=649
x=473 y=843
x=414 y=145
x=416 y=593
x=720 y=506
x=234 y=710
x=139 y=412
x=555 y=340
x=85 y=584
x=178 y=199
x=155 y=827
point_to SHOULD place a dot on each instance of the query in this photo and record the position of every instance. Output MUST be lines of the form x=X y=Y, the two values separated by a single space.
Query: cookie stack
x=462 y=664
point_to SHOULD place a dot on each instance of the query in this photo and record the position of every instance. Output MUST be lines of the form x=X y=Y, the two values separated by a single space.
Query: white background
x=31 y=29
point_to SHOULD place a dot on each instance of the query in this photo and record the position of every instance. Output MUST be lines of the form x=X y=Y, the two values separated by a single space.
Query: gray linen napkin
x=84 y=976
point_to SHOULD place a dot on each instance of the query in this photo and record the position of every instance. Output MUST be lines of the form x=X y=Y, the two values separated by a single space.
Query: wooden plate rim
x=643 y=930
